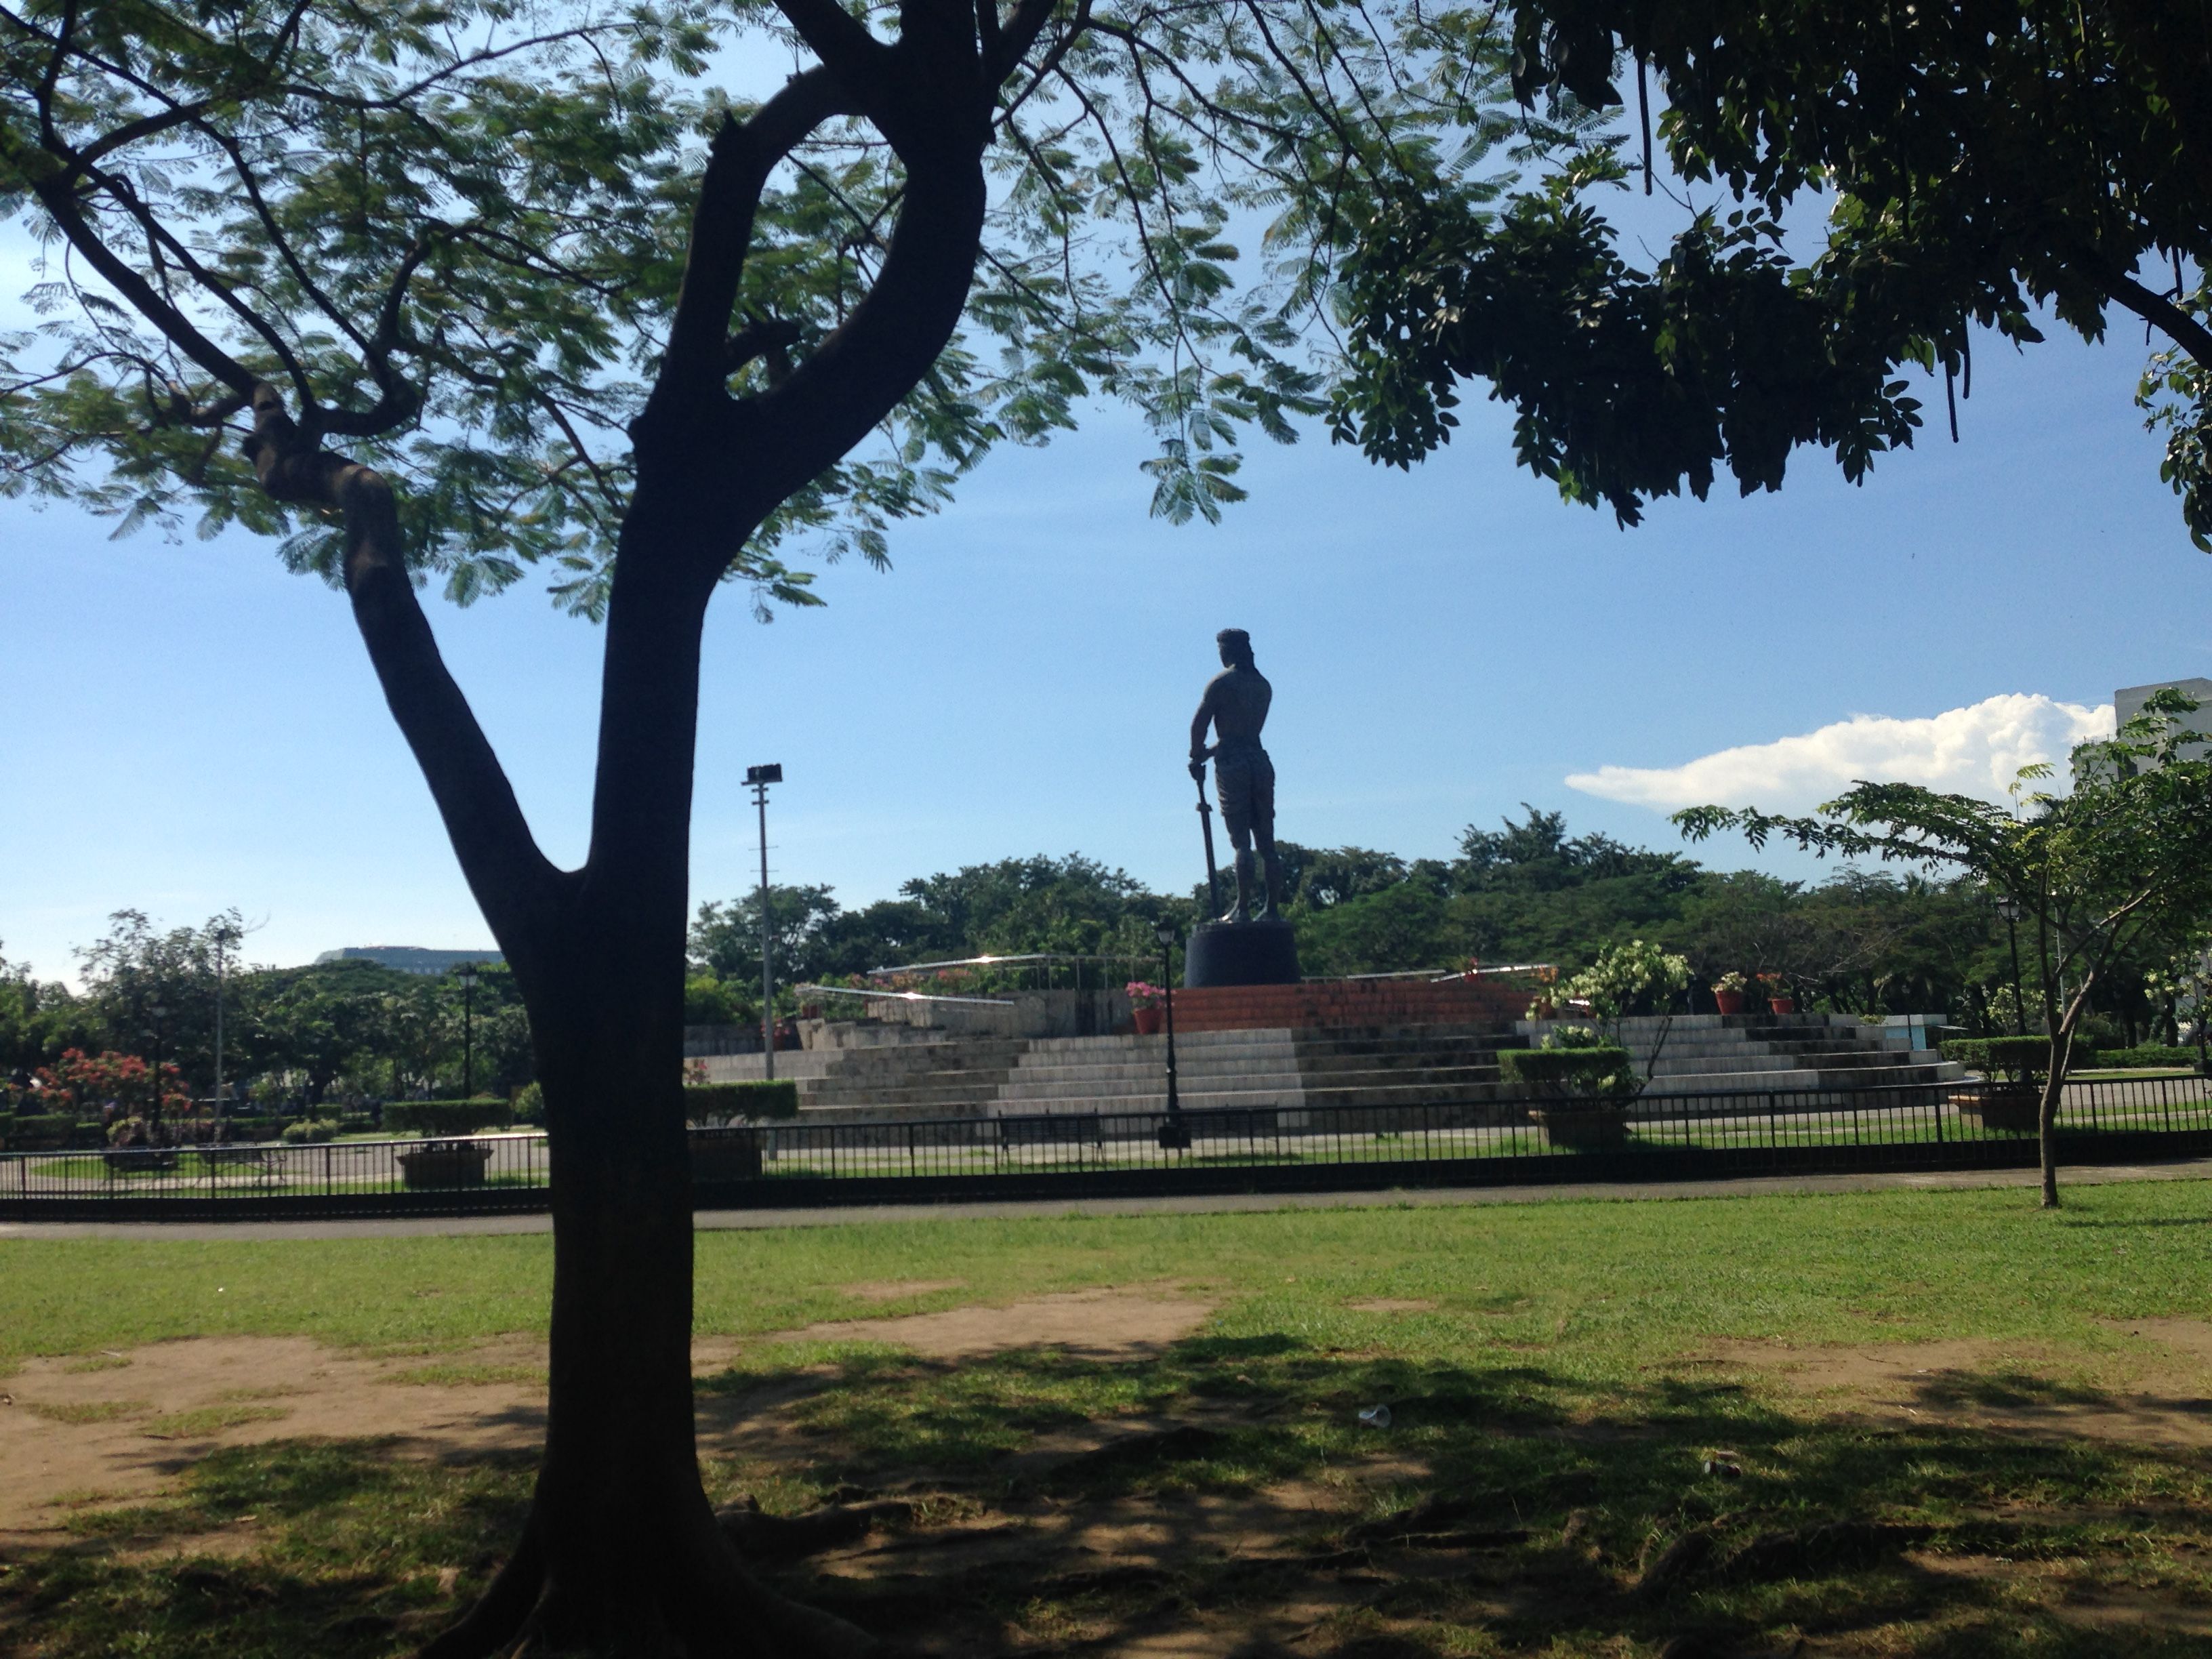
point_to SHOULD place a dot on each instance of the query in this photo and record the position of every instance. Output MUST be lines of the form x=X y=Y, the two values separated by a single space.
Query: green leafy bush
x=2015 y=1059
x=309 y=1131
x=718 y=1102
x=530 y=1104
x=446 y=1117
x=1595 y=1073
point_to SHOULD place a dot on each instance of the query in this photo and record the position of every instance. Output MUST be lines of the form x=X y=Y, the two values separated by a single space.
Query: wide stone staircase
x=1698 y=1053
x=1364 y=1044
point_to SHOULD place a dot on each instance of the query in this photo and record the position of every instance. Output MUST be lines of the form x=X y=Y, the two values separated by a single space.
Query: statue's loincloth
x=1245 y=782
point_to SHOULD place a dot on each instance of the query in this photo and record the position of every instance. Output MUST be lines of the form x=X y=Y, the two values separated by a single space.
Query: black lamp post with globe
x=1175 y=1135
x=159 y=1011
x=2009 y=909
x=468 y=978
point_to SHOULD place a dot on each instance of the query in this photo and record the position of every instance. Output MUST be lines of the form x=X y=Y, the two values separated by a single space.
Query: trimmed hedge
x=446 y=1117
x=34 y=1132
x=718 y=1103
x=2016 y=1057
x=2143 y=1054
x=1595 y=1072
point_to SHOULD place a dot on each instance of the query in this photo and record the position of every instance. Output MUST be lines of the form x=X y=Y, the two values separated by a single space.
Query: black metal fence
x=1311 y=1148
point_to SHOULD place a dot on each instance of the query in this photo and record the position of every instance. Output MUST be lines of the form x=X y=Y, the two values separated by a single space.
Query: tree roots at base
x=708 y=1607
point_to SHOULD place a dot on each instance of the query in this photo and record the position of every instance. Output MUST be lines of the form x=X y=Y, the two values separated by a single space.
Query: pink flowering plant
x=1145 y=994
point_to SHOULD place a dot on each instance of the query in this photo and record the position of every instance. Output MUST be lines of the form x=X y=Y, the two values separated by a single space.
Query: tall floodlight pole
x=468 y=978
x=759 y=777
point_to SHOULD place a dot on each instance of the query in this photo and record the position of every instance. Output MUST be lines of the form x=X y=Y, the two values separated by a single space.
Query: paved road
x=849 y=1215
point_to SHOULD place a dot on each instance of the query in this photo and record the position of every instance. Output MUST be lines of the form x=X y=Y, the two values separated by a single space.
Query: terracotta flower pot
x=1148 y=1020
x=1783 y=1005
x=1730 y=1002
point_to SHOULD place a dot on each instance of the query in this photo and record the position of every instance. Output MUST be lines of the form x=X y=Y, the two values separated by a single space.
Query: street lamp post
x=161 y=1013
x=2009 y=909
x=1175 y=1135
x=759 y=777
x=468 y=978
x=225 y=935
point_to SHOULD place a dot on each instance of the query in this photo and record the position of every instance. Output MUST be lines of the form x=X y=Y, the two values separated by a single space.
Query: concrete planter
x=732 y=1154
x=131 y=1161
x=2011 y=1108
x=1582 y=1127
x=445 y=1163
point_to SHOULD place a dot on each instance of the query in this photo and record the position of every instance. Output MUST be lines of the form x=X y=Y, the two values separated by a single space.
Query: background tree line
x=1859 y=942
x=292 y=1037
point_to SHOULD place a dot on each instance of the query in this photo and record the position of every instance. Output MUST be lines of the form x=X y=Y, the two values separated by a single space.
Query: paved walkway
x=847 y=1215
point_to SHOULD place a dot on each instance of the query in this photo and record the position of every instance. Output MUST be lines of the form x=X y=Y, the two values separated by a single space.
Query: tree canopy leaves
x=452 y=233
x=1975 y=162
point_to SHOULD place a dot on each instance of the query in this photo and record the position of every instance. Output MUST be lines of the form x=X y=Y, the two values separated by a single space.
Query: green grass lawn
x=1551 y=1366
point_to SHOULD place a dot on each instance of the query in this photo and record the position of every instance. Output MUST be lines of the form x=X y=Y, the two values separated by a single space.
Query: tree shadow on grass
x=330 y=1548
x=1254 y=1508
x=1224 y=1497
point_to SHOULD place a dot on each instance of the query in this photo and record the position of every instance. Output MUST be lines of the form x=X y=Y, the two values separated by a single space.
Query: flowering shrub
x=1574 y=1036
x=84 y=1083
x=1626 y=979
x=1144 y=995
x=1731 y=982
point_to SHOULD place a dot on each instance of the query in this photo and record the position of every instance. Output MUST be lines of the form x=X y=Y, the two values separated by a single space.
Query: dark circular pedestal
x=1263 y=952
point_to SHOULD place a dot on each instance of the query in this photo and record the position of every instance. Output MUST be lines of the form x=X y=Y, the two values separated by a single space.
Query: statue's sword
x=1212 y=874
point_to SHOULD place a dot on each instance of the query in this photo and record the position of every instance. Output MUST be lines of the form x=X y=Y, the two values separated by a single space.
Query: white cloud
x=1974 y=751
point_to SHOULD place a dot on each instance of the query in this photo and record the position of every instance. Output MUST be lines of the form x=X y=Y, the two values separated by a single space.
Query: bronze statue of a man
x=1236 y=705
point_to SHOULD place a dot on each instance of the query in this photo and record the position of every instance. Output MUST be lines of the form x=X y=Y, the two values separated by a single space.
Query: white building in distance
x=408 y=959
x=2128 y=701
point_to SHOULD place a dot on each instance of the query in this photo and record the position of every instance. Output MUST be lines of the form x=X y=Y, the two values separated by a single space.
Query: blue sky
x=189 y=728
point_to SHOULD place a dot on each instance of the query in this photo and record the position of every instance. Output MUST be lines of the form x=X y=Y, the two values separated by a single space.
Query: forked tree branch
x=743 y=155
x=517 y=887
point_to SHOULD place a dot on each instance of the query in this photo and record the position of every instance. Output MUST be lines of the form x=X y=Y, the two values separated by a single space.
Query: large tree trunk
x=622 y=1553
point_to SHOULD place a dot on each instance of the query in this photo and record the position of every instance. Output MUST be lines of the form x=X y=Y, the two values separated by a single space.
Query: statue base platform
x=1263 y=952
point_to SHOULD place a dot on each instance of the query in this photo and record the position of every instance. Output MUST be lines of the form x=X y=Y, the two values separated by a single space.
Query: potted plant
x=726 y=1141
x=1144 y=1000
x=1780 y=999
x=1585 y=1082
x=446 y=1163
x=2008 y=1098
x=1729 y=992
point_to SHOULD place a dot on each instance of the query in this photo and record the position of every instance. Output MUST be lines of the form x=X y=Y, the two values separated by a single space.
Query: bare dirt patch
x=1994 y=1385
x=127 y=1430
x=124 y=1432
x=1392 y=1304
x=898 y=1290
x=1103 y=1324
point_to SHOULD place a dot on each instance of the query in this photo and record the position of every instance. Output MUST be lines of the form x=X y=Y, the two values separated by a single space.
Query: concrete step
x=1848 y=1079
